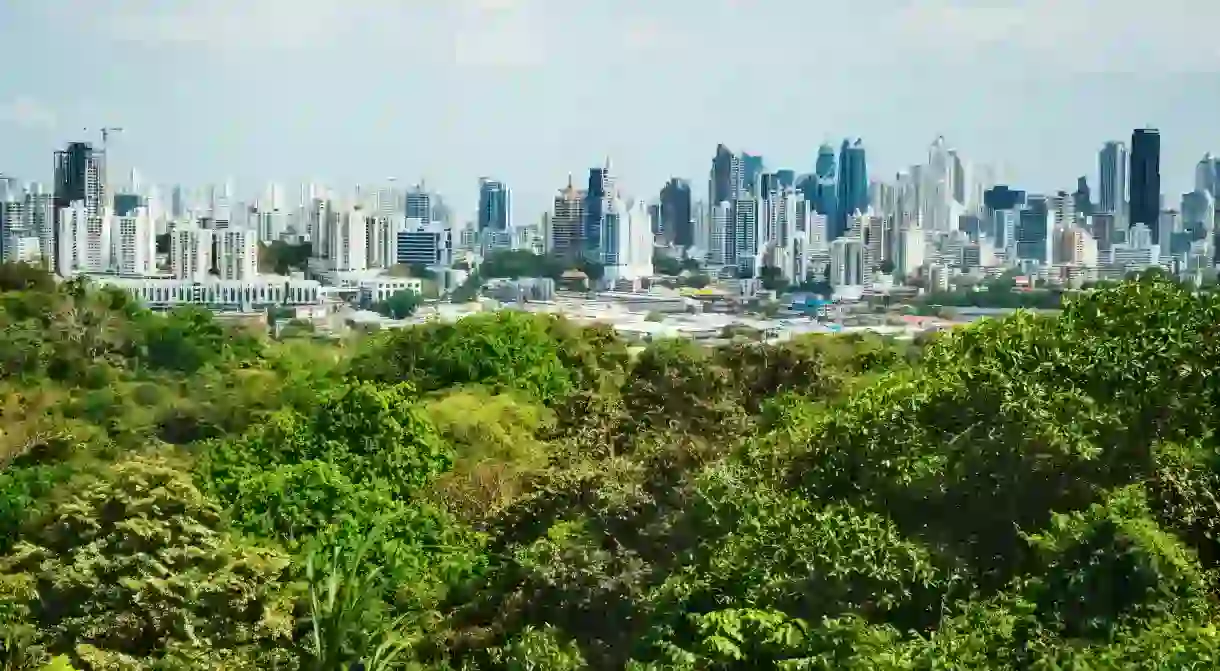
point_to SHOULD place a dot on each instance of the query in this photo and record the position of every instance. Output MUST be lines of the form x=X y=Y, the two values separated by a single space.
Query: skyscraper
x=751 y=171
x=853 y=184
x=1146 y=179
x=676 y=223
x=824 y=197
x=597 y=203
x=1112 y=177
x=493 y=205
x=419 y=204
x=78 y=178
x=567 y=221
x=724 y=165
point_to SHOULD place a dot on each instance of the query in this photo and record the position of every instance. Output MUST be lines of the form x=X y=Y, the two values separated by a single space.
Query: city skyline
x=206 y=93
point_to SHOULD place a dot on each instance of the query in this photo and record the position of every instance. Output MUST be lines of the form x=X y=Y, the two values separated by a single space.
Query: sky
x=348 y=92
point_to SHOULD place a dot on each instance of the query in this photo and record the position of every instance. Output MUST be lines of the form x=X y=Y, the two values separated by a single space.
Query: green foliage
x=516 y=491
x=400 y=305
x=133 y=566
x=282 y=258
x=538 y=354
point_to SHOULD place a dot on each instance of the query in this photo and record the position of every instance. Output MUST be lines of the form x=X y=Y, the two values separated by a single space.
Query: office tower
x=1102 y=226
x=237 y=254
x=1112 y=164
x=824 y=196
x=419 y=204
x=177 y=202
x=78 y=178
x=1035 y=228
x=853 y=185
x=746 y=243
x=677 y=223
x=135 y=244
x=726 y=173
x=752 y=168
x=787 y=178
x=567 y=221
x=1063 y=209
x=847 y=262
x=1081 y=197
x=720 y=235
x=626 y=244
x=654 y=218
x=493 y=205
x=1207 y=174
x=1145 y=181
x=190 y=253
x=598 y=195
x=349 y=242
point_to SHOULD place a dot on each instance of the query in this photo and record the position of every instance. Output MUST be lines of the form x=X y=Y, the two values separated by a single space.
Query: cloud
x=27 y=113
x=497 y=34
x=473 y=33
x=1063 y=36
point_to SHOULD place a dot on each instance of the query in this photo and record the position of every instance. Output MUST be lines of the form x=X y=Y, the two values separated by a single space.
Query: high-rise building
x=78 y=178
x=1082 y=198
x=419 y=204
x=135 y=247
x=1000 y=197
x=1207 y=175
x=746 y=238
x=1112 y=178
x=720 y=234
x=824 y=196
x=626 y=245
x=566 y=225
x=349 y=241
x=597 y=202
x=853 y=185
x=677 y=223
x=752 y=168
x=726 y=172
x=493 y=205
x=190 y=253
x=237 y=254
x=1145 y=186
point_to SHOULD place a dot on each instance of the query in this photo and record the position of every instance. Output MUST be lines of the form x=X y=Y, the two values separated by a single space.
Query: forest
x=518 y=492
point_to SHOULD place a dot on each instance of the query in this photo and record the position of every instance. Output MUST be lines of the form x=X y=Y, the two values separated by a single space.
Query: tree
x=666 y=265
x=133 y=566
x=400 y=305
x=773 y=279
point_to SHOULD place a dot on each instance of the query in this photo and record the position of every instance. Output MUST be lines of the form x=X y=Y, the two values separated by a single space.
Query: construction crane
x=106 y=132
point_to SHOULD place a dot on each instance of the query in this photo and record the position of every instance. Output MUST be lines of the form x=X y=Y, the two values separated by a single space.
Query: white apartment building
x=190 y=253
x=85 y=245
x=348 y=244
x=626 y=242
x=135 y=247
x=847 y=263
x=381 y=239
x=237 y=254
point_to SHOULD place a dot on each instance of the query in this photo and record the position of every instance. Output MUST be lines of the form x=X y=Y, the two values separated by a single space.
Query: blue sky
x=354 y=91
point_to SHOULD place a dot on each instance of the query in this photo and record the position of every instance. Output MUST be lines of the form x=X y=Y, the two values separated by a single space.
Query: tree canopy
x=517 y=491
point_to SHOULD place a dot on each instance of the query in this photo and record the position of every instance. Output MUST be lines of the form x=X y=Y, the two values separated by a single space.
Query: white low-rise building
x=378 y=289
x=263 y=290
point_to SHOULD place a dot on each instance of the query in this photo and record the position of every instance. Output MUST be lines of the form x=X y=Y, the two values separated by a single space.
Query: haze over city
x=531 y=90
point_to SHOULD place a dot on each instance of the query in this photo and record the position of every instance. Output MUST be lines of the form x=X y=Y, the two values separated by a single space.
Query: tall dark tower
x=676 y=223
x=722 y=181
x=78 y=178
x=1145 y=191
x=853 y=185
x=493 y=205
